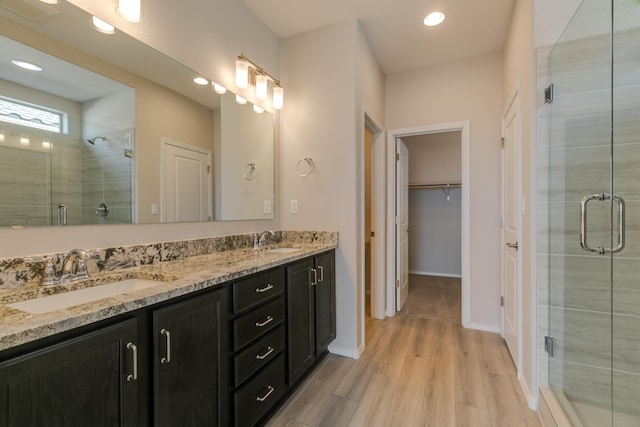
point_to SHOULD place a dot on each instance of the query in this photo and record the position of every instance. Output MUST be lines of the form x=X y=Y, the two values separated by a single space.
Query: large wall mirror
x=110 y=131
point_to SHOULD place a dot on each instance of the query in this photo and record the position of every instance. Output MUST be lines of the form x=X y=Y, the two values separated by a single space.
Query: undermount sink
x=82 y=296
x=283 y=250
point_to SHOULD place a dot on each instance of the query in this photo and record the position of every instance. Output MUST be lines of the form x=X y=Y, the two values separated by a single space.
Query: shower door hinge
x=501 y=301
x=128 y=153
x=548 y=94
x=548 y=345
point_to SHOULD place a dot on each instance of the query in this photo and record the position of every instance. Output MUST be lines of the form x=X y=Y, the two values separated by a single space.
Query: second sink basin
x=82 y=296
x=283 y=250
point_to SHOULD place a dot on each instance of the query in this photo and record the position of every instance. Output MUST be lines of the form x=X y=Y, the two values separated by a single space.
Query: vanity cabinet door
x=190 y=351
x=90 y=380
x=325 y=302
x=300 y=311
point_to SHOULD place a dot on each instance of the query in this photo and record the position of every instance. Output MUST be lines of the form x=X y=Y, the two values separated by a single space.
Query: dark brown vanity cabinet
x=190 y=351
x=90 y=380
x=311 y=311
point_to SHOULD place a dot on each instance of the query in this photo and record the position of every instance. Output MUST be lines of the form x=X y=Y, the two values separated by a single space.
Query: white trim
x=484 y=327
x=353 y=353
x=532 y=399
x=465 y=128
x=430 y=273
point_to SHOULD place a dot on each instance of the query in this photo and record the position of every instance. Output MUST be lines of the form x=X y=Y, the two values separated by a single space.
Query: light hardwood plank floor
x=434 y=297
x=414 y=372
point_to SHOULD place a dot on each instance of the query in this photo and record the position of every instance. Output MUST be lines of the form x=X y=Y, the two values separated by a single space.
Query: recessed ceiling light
x=221 y=90
x=102 y=26
x=201 y=81
x=433 y=19
x=26 y=65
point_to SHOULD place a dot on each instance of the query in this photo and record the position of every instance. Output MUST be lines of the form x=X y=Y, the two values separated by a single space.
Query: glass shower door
x=577 y=196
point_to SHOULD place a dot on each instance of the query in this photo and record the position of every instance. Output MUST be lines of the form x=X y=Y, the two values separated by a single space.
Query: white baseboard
x=532 y=399
x=353 y=353
x=483 y=327
x=428 y=273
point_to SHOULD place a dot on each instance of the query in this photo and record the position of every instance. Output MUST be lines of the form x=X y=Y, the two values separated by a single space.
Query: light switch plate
x=154 y=209
x=294 y=207
x=267 y=207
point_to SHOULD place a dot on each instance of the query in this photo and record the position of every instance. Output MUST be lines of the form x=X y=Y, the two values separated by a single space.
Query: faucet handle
x=49 y=276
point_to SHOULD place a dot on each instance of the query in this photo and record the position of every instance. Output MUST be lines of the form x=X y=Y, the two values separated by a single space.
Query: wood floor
x=433 y=297
x=414 y=372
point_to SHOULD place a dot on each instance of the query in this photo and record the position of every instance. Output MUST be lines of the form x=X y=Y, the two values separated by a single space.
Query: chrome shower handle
x=621 y=223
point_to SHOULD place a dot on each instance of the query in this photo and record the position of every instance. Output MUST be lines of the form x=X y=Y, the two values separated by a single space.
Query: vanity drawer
x=257 y=323
x=255 y=398
x=258 y=355
x=252 y=291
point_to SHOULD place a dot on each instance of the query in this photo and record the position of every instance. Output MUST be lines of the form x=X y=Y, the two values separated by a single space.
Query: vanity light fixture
x=46 y=143
x=26 y=65
x=1 y=135
x=433 y=19
x=102 y=26
x=24 y=139
x=258 y=109
x=218 y=88
x=129 y=10
x=201 y=81
x=248 y=72
x=240 y=100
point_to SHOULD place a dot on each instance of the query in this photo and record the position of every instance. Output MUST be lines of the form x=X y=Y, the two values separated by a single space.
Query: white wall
x=454 y=92
x=221 y=30
x=323 y=119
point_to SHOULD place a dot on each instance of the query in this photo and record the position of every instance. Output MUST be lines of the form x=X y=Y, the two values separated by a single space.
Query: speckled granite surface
x=179 y=267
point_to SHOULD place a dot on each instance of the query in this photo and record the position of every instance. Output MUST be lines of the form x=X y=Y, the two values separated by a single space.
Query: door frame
x=464 y=128
x=513 y=102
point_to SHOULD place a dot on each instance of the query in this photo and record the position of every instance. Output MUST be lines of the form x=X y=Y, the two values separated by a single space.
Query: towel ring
x=305 y=166
x=250 y=171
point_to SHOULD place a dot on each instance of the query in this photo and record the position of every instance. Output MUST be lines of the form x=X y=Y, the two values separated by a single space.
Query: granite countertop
x=176 y=278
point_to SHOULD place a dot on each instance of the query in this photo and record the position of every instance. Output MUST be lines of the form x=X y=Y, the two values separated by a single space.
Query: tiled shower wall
x=595 y=325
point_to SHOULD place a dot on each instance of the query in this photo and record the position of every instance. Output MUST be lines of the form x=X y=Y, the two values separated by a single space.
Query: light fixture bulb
x=258 y=109
x=26 y=65
x=433 y=19
x=201 y=81
x=1 y=135
x=46 y=143
x=242 y=73
x=129 y=10
x=261 y=86
x=240 y=100
x=50 y=1
x=24 y=139
x=278 y=97
x=219 y=89
x=102 y=26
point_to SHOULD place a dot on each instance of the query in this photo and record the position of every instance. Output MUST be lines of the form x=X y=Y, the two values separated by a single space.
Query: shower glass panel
x=591 y=201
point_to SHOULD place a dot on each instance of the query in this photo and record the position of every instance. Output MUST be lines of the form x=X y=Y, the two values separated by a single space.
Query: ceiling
x=394 y=28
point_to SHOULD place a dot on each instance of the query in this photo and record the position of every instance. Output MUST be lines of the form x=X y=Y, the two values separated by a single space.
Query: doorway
x=462 y=129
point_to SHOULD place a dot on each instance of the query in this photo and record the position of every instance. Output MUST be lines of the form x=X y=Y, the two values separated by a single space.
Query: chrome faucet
x=260 y=239
x=78 y=268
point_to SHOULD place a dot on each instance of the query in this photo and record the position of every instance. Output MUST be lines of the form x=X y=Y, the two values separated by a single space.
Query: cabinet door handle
x=266 y=395
x=321 y=268
x=132 y=377
x=265 y=289
x=265 y=322
x=167 y=335
x=266 y=354
x=315 y=276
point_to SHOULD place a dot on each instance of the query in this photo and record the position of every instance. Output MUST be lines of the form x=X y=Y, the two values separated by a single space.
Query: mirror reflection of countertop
x=175 y=278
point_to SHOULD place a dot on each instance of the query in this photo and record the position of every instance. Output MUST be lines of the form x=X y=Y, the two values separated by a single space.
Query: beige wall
x=460 y=91
x=435 y=158
x=519 y=75
x=323 y=118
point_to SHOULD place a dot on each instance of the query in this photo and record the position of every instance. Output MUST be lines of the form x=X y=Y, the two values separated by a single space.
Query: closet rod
x=427 y=186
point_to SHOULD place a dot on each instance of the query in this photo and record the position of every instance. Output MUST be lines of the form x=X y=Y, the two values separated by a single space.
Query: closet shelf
x=429 y=186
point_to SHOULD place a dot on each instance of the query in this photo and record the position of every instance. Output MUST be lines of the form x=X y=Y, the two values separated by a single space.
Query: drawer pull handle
x=167 y=334
x=265 y=289
x=266 y=396
x=265 y=355
x=313 y=281
x=265 y=322
x=131 y=346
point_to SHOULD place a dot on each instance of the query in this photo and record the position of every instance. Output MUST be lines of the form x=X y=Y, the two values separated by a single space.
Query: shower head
x=93 y=140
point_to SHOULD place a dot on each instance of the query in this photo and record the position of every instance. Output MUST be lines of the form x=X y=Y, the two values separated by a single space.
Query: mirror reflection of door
x=186 y=187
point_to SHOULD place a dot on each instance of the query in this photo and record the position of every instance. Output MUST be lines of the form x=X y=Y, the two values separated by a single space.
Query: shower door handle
x=583 y=223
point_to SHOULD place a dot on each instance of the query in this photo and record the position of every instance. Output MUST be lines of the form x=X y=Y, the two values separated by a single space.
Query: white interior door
x=186 y=189
x=510 y=232
x=402 y=224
